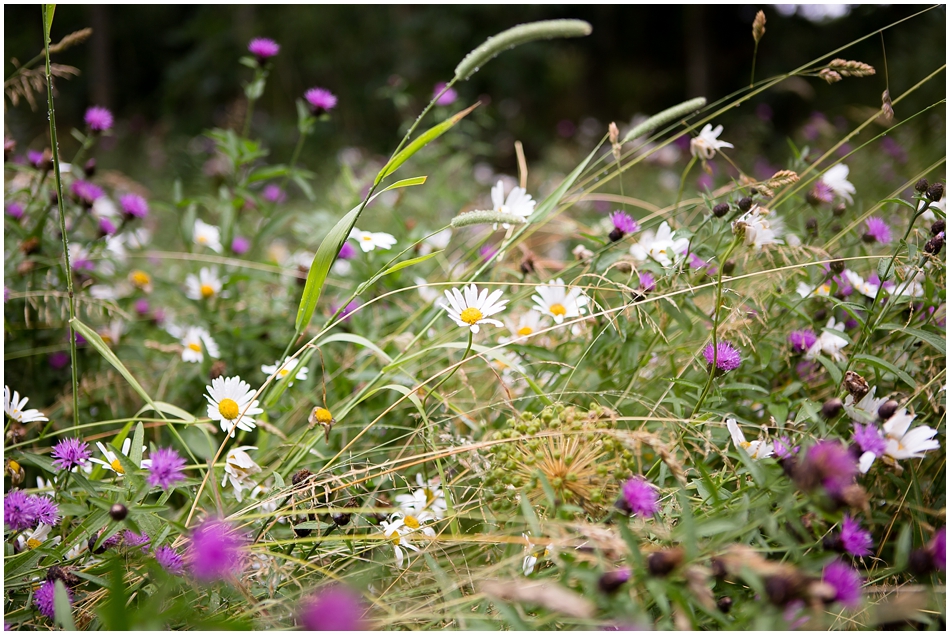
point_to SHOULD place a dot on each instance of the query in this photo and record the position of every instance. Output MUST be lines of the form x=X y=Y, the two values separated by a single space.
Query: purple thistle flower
x=845 y=287
x=347 y=251
x=820 y=194
x=47 y=512
x=240 y=245
x=70 y=453
x=320 y=99
x=869 y=439
x=647 y=281
x=263 y=48
x=855 y=540
x=487 y=252
x=133 y=539
x=98 y=119
x=141 y=306
x=274 y=194
x=336 y=608
x=134 y=205
x=639 y=497
x=35 y=157
x=170 y=560
x=830 y=462
x=19 y=510
x=696 y=262
x=15 y=210
x=726 y=356
x=58 y=360
x=783 y=448
x=348 y=309
x=623 y=224
x=802 y=340
x=878 y=231
x=86 y=192
x=106 y=227
x=214 y=552
x=165 y=469
x=845 y=581
x=44 y=598
x=447 y=98
x=938 y=548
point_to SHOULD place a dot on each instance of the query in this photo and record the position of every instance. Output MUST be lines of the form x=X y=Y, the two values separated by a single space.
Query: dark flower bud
x=65 y=575
x=922 y=186
x=718 y=568
x=90 y=168
x=218 y=369
x=340 y=519
x=118 y=512
x=724 y=603
x=16 y=432
x=611 y=581
x=728 y=267
x=615 y=235
x=934 y=245
x=92 y=543
x=527 y=263
x=301 y=533
x=837 y=266
x=783 y=588
x=300 y=476
x=820 y=315
x=30 y=246
x=938 y=227
x=838 y=209
x=887 y=409
x=920 y=562
x=935 y=192
x=661 y=563
x=831 y=408
x=745 y=203
x=868 y=238
x=721 y=210
x=832 y=542
x=856 y=385
x=811 y=226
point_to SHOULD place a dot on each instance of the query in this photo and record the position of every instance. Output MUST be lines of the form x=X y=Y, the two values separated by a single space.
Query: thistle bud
x=611 y=581
x=728 y=267
x=811 y=226
x=831 y=408
x=527 y=264
x=721 y=210
x=837 y=266
x=838 y=209
x=661 y=563
x=938 y=227
x=63 y=574
x=301 y=476
x=783 y=588
x=118 y=512
x=745 y=203
x=90 y=168
x=922 y=186
x=935 y=192
x=934 y=245
x=920 y=562
x=887 y=409
x=724 y=604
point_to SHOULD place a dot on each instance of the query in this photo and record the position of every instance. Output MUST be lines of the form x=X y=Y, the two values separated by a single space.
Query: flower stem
x=679 y=194
x=468 y=349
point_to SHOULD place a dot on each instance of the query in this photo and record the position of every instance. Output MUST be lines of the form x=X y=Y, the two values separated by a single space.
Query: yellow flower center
x=201 y=239
x=228 y=409
x=746 y=445
x=557 y=309
x=140 y=278
x=525 y=330
x=471 y=315
x=430 y=496
x=322 y=415
x=366 y=238
x=395 y=538
x=195 y=346
x=117 y=467
x=283 y=372
x=14 y=466
x=33 y=543
x=106 y=337
x=207 y=291
x=411 y=522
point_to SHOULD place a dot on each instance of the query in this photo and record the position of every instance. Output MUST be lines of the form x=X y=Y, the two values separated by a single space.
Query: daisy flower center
x=228 y=409
x=202 y=239
x=283 y=372
x=322 y=415
x=14 y=466
x=207 y=291
x=430 y=496
x=117 y=466
x=395 y=538
x=140 y=278
x=411 y=522
x=33 y=543
x=557 y=309
x=195 y=346
x=471 y=315
x=746 y=445
x=525 y=330
x=367 y=238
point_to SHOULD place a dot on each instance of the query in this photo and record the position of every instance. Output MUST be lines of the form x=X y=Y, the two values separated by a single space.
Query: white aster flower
x=660 y=245
x=836 y=177
x=110 y=459
x=707 y=143
x=14 y=407
x=75 y=551
x=469 y=308
x=805 y=290
x=286 y=369
x=425 y=503
x=864 y=411
x=755 y=449
x=238 y=468
x=205 y=285
x=36 y=538
x=196 y=340
x=756 y=229
x=436 y=242
x=860 y=285
x=518 y=203
x=531 y=560
x=903 y=443
x=910 y=283
x=271 y=503
x=560 y=302
x=528 y=323
x=829 y=342
x=398 y=530
x=427 y=293
x=231 y=403
x=929 y=214
x=368 y=241
x=207 y=235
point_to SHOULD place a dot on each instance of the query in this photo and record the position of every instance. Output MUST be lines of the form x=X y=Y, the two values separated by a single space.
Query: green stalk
x=679 y=194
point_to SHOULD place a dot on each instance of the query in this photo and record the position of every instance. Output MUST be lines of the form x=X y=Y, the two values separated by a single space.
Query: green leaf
x=48 y=11
x=62 y=610
x=832 y=369
x=358 y=340
x=270 y=172
x=421 y=141
x=135 y=452
x=168 y=408
x=902 y=552
x=889 y=367
x=936 y=340
x=408 y=263
x=884 y=269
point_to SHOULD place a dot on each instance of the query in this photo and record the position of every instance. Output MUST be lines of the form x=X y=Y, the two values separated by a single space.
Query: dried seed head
x=745 y=203
x=30 y=246
x=939 y=226
x=721 y=210
x=922 y=185
x=829 y=75
x=856 y=385
x=661 y=563
x=301 y=476
x=63 y=574
x=855 y=497
x=935 y=192
x=614 y=133
x=783 y=177
x=582 y=253
x=76 y=37
x=886 y=106
x=758 y=26
x=851 y=68
x=934 y=245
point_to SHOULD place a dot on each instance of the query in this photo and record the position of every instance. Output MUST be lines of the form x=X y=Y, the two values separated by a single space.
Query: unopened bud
x=831 y=408
x=611 y=581
x=887 y=409
x=856 y=385
x=922 y=186
x=745 y=203
x=811 y=226
x=728 y=267
x=935 y=192
x=837 y=266
x=838 y=209
x=935 y=244
x=118 y=512
x=721 y=210
x=724 y=604
x=300 y=476
x=90 y=168
x=920 y=562
x=939 y=226
x=614 y=133
x=661 y=563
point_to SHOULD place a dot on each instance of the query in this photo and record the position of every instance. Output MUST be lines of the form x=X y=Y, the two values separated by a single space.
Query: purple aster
x=19 y=510
x=263 y=48
x=82 y=264
x=44 y=598
x=820 y=194
x=854 y=539
x=141 y=306
x=647 y=281
x=726 y=356
x=802 y=340
x=487 y=252
x=35 y=157
x=347 y=251
x=447 y=98
x=133 y=539
x=214 y=552
x=639 y=497
x=58 y=360
x=830 y=463
x=106 y=227
x=274 y=194
x=878 y=231
x=845 y=581
x=784 y=449
x=86 y=192
x=70 y=453
x=320 y=99
x=134 y=205
x=336 y=608
x=166 y=468
x=240 y=245
x=938 y=548
x=170 y=560
x=844 y=285
x=696 y=262
x=869 y=439
x=47 y=512
x=98 y=119
x=623 y=224
x=349 y=308
x=15 y=210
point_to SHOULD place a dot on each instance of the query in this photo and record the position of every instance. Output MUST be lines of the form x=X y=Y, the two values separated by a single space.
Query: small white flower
x=111 y=461
x=903 y=443
x=518 y=203
x=341 y=267
x=660 y=245
x=75 y=551
x=207 y=235
x=528 y=324
x=271 y=503
x=755 y=449
x=231 y=403
x=829 y=342
x=805 y=290
x=473 y=308
x=36 y=538
x=427 y=293
x=238 y=468
x=865 y=411
x=436 y=242
x=756 y=229
x=14 y=407
x=205 y=285
x=196 y=340
x=286 y=369
x=398 y=531
x=560 y=302
x=425 y=503
x=368 y=241
x=707 y=143
x=910 y=283
x=861 y=285
x=111 y=334
x=531 y=560
x=837 y=179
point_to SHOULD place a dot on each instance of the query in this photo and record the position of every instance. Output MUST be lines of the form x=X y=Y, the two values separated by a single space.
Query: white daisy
x=910 y=283
x=756 y=229
x=707 y=143
x=205 y=285
x=436 y=242
x=368 y=241
x=660 y=245
x=528 y=323
x=518 y=203
x=238 y=468
x=196 y=340
x=271 y=503
x=13 y=406
x=861 y=285
x=755 y=449
x=829 y=342
x=559 y=302
x=531 y=560
x=231 y=403
x=398 y=530
x=141 y=280
x=286 y=369
x=207 y=235
x=75 y=551
x=836 y=177
x=473 y=308
x=903 y=443
x=864 y=411
x=111 y=334
x=36 y=538
x=425 y=503
x=427 y=293
x=805 y=290
x=111 y=461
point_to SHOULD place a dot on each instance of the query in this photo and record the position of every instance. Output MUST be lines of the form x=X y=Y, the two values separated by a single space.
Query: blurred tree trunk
x=694 y=32
x=100 y=51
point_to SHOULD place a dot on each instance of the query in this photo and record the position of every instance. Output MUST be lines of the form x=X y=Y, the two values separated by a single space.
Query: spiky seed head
x=758 y=26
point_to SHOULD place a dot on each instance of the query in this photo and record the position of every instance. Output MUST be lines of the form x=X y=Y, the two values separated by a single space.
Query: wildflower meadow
x=642 y=383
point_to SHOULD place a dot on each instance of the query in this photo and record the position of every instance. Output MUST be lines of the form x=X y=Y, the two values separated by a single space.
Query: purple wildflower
x=844 y=580
x=830 y=463
x=58 y=360
x=106 y=227
x=623 y=224
x=240 y=245
x=86 y=192
x=349 y=309
x=214 y=552
x=320 y=99
x=783 y=448
x=845 y=288
x=263 y=48
x=938 y=548
x=133 y=539
x=347 y=251
x=869 y=439
x=802 y=340
x=45 y=598
x=165 y=469
x=70 y=453
x=35 y=157
x=639 y=497
x=726 y=356
x=795 y=614
x=336 y=608
x=878 y=231
x=274 y=194
x=170 y=560
x=487 y=252
x=47 y=511
x=141 y=306
x=15 y=210
x=98 y=119
x=447 y=98
x=19 y=510
x=854 y=539
x=696 y=262
x=647 y=281
x=134 y=205
x=820 y=194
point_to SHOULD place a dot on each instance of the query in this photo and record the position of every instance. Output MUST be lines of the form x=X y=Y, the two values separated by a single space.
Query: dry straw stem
x=551 y=596
x=758 y=26
x=667 y=116
x=521 y=34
